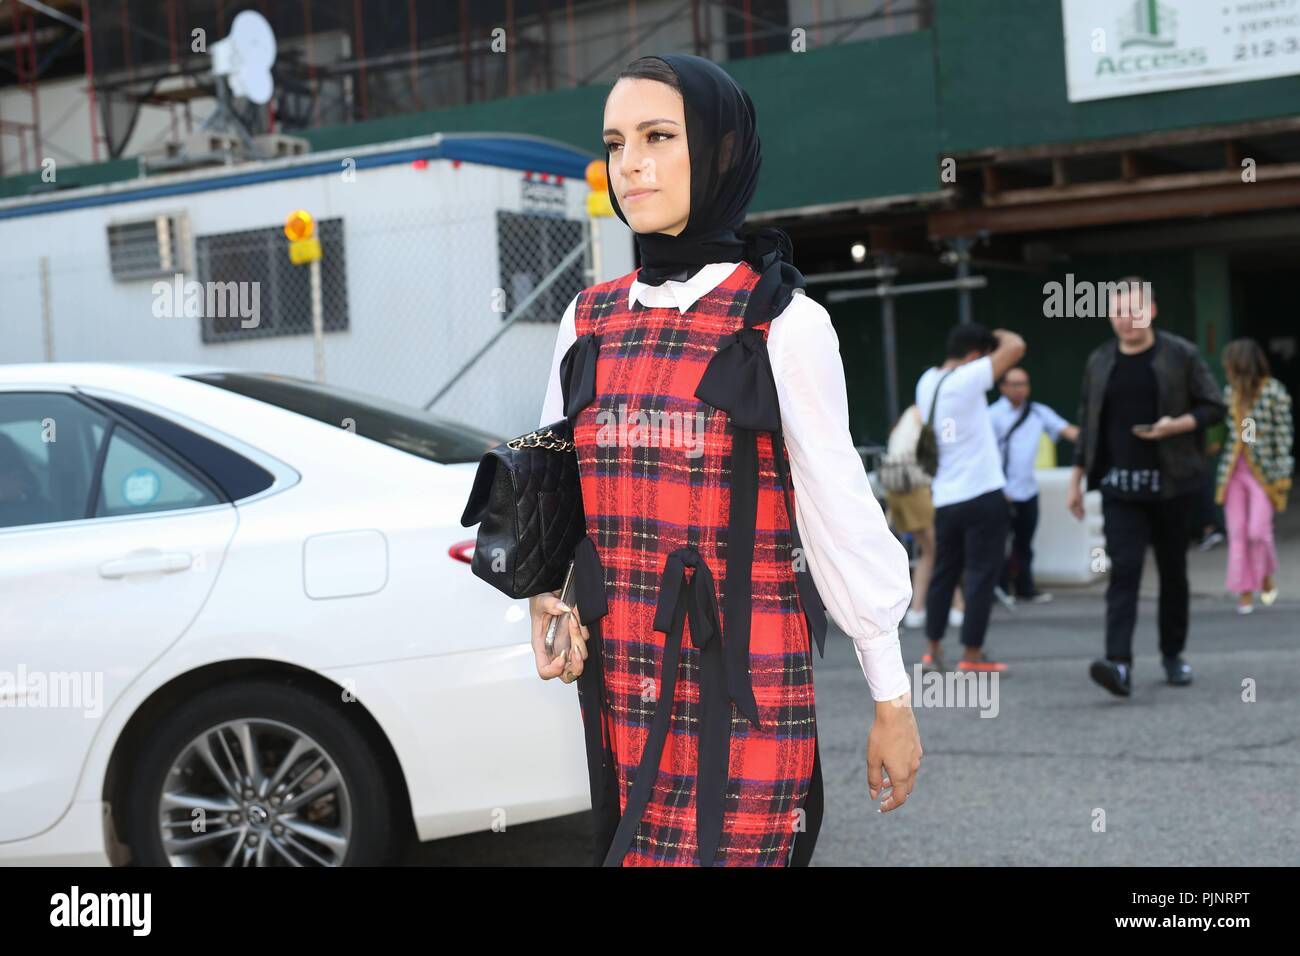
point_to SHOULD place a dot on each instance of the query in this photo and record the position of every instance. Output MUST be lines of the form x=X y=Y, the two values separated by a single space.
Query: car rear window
x=399 y=426
x=235 y=475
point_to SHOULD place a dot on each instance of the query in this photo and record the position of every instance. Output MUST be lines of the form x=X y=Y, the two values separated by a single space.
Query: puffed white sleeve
x=859 y=566
x=553 y=404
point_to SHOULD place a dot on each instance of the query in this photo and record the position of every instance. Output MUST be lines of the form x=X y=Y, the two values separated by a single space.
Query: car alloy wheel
x=254 y=792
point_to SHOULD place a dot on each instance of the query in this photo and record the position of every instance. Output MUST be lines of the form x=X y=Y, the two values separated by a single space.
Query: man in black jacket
x=1146 y=400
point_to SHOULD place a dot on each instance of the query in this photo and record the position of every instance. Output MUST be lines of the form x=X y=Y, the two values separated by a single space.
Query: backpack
x=898 y=470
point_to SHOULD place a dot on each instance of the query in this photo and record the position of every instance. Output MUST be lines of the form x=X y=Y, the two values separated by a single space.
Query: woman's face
x=649 y=166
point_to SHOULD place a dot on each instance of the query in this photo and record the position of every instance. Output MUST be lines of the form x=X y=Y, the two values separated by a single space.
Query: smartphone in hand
x=557 y=631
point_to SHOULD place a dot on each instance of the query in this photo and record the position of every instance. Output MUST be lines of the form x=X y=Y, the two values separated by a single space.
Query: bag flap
x=478 y=495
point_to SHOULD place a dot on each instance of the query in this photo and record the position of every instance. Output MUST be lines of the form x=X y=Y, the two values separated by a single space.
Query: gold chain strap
x=546 y=439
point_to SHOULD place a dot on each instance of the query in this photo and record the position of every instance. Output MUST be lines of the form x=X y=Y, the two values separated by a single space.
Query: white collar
x=681 y=294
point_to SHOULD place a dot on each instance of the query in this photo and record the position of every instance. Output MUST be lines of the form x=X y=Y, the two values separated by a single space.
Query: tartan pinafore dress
x=681 y=772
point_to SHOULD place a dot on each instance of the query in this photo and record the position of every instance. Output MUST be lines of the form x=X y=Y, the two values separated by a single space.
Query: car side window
x=227 y=471
x=136 y=479
x=48 y=445
x=63 y=460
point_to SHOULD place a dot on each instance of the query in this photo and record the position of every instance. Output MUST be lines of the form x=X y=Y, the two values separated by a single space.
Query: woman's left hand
x=578 y=637
x=894 y=745
x=568 y=665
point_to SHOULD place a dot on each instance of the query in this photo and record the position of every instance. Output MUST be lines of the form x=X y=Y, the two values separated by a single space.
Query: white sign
x=1124 y=47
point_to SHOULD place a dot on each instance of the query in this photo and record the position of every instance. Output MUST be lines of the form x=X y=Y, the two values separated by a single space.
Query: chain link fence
x=453 y=309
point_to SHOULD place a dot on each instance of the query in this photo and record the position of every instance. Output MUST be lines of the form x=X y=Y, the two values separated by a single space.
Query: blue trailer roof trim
x=508 y=151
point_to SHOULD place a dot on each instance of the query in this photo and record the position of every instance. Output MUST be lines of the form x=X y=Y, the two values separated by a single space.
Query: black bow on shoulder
x=578 y=374
x=739 y=381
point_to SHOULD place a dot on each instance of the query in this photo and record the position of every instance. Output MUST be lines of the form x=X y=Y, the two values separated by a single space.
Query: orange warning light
x=299 y=225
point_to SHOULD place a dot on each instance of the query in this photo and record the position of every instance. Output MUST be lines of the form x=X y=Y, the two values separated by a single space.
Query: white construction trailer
x=430 y=246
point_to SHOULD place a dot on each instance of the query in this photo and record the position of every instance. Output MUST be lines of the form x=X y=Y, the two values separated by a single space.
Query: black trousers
x=1019 y=565
x=1129 y=527
x=970 y=537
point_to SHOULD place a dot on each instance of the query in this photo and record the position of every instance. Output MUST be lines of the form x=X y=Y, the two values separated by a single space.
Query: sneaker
x=1211 y=540
x=955 y=617
x=1115 y=676
x=1269 y=596
x=932 y=664
x=1177 y=671
x=983 y=664
x=1006 y=599
x=1246 y=608
x=914 y=618
x=1038 y=597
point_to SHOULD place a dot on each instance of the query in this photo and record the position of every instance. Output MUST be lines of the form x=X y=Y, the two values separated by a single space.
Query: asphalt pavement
x=1061 y=772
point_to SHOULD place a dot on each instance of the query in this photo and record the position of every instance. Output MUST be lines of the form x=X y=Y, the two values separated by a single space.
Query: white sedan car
x=238 y=626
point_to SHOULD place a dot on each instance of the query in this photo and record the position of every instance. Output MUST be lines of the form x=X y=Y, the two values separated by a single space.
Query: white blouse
x=859 y=567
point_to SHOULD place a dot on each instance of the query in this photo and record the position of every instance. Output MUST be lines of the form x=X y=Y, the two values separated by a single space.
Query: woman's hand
x=566 y=666
x=894 y=744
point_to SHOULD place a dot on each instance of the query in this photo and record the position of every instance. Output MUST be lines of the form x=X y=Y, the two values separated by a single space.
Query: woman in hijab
x=698 y=603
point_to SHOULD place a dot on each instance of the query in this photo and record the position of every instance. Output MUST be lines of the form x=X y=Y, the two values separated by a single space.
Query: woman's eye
x=610 y=147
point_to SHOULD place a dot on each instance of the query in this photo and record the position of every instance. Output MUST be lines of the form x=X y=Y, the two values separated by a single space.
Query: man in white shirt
x=970 y=516
x=1019 y=425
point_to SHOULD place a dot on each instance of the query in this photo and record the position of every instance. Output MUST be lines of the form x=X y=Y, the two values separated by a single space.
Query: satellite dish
x=246 y=57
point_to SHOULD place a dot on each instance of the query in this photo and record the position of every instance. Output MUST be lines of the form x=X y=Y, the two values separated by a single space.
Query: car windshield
x=399 y=426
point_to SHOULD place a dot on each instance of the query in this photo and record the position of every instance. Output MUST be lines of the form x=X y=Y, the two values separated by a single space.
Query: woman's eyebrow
x=643 y=125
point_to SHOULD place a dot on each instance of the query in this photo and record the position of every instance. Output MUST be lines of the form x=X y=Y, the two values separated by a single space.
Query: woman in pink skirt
x=1254 y=470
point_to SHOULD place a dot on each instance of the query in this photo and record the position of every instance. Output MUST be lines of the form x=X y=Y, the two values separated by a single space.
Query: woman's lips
x=639 y=194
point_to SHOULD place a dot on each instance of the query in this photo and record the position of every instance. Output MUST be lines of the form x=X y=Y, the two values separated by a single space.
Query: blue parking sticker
x=141 y=486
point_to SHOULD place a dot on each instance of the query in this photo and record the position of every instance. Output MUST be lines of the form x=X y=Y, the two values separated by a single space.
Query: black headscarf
x=726 y=155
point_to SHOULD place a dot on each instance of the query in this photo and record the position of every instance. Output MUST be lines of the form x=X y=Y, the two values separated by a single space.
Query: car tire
x=200 y=742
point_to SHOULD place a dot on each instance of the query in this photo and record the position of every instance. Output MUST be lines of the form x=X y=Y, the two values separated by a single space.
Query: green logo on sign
x=1148 y=23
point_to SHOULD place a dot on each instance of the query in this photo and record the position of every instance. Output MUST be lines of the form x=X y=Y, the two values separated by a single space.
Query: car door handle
x=166 y=562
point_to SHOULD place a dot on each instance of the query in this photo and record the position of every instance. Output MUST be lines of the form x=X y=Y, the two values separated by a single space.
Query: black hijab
x=726 y=155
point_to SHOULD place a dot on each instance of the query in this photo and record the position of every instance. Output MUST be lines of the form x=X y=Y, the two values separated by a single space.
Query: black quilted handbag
x=527 y=503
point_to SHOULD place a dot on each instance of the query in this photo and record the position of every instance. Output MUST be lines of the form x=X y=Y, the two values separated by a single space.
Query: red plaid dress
x=647 y=496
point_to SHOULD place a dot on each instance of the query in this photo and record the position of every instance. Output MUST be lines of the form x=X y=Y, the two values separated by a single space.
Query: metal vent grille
x=146 y=248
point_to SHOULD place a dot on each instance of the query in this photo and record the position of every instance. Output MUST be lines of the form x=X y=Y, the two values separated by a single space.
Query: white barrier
x=1065 y=549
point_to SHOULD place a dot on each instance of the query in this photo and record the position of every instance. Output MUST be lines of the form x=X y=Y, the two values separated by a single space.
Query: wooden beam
x=1148 y=184
x=1077 y=213
x=1116 y=144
